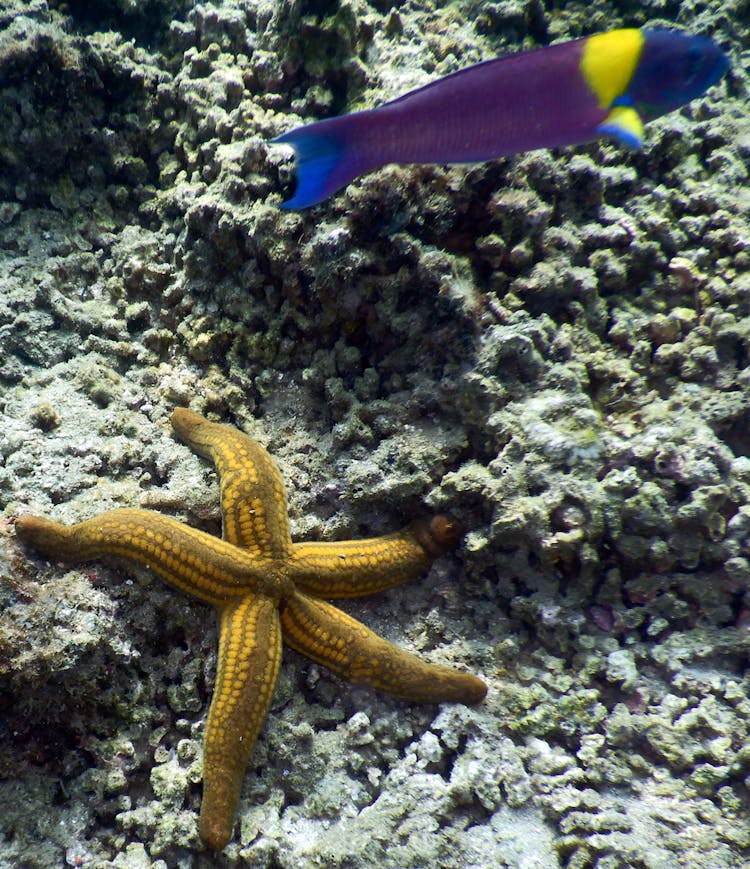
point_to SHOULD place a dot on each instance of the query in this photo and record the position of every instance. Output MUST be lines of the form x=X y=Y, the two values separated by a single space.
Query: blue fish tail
x=326 y=160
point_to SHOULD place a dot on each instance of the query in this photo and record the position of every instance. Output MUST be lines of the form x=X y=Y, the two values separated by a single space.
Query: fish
x=605 y=85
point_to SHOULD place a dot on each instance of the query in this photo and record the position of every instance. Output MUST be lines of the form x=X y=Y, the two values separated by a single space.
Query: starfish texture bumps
x=266 y=589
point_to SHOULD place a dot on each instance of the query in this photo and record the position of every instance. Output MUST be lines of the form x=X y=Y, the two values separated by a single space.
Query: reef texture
x=554 y=348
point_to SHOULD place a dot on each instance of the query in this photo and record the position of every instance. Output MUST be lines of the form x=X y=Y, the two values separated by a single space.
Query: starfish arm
x=193 y=561
x=329 y=636
x=248 y=665
x=357 y=567
x=253 y=500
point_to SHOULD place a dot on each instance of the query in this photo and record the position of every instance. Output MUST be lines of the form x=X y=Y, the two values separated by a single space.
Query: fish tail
x=327 y=159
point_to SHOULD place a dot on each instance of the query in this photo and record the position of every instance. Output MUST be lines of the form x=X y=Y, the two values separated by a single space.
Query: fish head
x=674 y=68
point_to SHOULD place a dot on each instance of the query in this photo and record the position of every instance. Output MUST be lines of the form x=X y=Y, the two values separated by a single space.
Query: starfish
x=266 y=589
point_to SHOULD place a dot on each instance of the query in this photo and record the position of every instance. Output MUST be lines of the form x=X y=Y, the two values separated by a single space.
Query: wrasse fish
x=566 y=94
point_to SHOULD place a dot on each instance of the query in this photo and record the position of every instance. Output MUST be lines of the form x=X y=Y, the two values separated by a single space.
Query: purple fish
x=566 y=94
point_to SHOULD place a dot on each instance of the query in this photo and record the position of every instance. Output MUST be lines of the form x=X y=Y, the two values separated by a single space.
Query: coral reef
x=554 y=347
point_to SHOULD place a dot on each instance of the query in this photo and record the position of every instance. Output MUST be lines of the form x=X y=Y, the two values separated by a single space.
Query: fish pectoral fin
x=624 y=124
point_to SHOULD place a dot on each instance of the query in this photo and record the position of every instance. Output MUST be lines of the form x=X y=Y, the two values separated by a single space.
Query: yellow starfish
x=265 y=588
